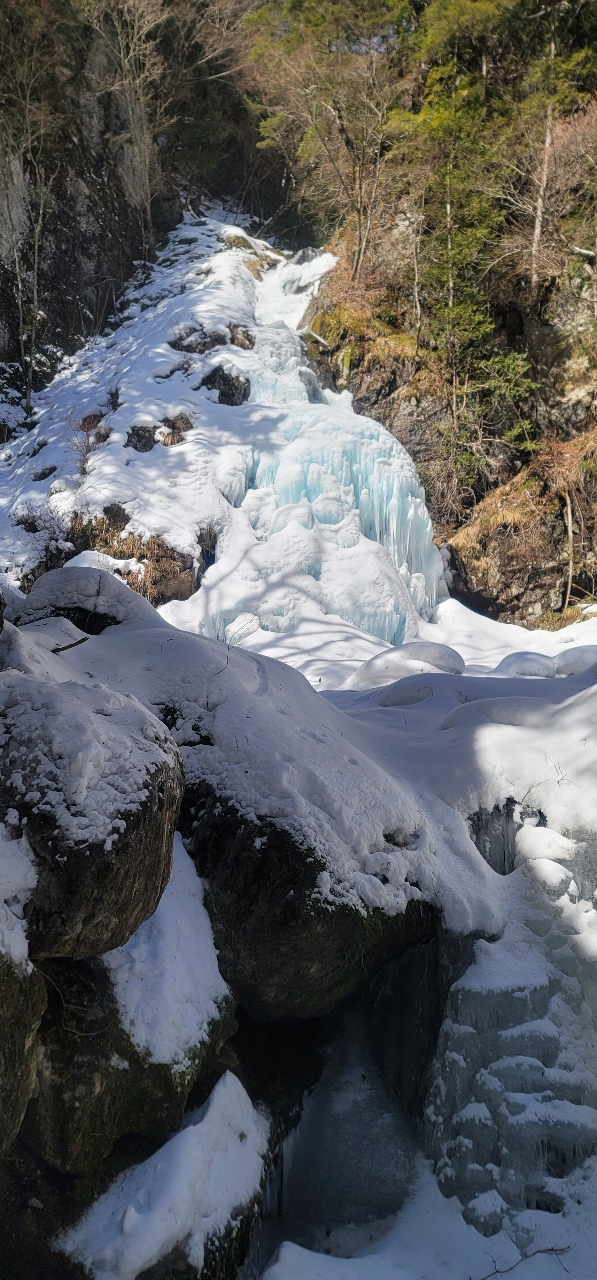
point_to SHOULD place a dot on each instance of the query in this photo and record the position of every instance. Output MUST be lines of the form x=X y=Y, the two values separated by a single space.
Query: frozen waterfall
x=316 y=513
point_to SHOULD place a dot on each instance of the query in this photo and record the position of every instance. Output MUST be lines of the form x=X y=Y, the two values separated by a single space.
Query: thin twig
x=503 y=1271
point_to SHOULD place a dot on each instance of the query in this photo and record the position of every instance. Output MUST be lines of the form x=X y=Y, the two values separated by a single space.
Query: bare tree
x=339 y=107
x=29 y=172
x=131 y=30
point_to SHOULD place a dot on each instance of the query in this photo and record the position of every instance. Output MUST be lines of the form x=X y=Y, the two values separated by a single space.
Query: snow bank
x=183 y=1195
x=166 y=978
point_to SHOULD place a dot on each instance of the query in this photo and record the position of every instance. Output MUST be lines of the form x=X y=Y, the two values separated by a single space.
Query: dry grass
x=554 y=621
x=167 y=574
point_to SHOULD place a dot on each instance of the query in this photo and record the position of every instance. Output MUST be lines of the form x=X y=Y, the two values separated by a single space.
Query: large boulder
x=95 y=781
x=321 y=861
x=190 y=1209
x=126 y=1037
x=285 y=951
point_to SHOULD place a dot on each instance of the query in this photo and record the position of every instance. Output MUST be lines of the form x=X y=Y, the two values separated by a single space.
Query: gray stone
x=93 y=1084
x=22 y=1002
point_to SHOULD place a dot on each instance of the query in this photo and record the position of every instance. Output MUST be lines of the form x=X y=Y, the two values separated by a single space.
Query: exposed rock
x=510 y=561
x=284 y=952
x=232 y=389
x=172 y=429
x=197 y=340
x=93 y=1084
x=22 y=1002
x=97 y=781
x=241 y=337
x=141 y=438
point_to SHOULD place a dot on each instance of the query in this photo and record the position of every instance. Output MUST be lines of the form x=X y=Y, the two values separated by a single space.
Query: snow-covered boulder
x=90 y=598
x=125 y=1037
x=295 y=830
x=287 y=947
x=95 y=781
x=192 y=1207
x=22 y=1002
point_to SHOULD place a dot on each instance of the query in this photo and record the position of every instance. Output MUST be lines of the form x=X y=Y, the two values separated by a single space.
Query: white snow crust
x=80 y=753
x=183 y=1195
x=166 y=978
x=17 y=879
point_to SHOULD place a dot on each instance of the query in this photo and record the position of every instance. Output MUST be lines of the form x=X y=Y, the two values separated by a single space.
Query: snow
x=183 y=1195
x=18 y=878
x=80 y=754
x=166 y=978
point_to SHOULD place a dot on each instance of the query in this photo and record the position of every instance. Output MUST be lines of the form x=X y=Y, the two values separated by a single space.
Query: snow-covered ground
x=325 y=561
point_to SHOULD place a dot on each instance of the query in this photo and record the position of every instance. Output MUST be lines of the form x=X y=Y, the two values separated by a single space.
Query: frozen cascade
x=348 y=1167
x=317 y=513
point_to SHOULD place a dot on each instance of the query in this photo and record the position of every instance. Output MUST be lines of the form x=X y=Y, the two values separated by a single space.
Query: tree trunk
x=540 y=206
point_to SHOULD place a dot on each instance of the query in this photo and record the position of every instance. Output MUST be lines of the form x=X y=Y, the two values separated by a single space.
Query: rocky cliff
x=514 y=554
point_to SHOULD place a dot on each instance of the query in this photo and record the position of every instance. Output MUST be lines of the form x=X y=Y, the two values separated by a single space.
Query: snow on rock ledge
x=147 y=1020
x=196 y=1195
x=95 y=781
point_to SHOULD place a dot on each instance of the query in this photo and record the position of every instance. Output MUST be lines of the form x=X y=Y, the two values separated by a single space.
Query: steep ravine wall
x=511 y=554
x=91 y=237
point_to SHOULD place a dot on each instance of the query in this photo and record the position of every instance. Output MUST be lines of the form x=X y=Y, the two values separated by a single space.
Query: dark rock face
x=96 y=782
x=283 y=950
x=22 y=1002
x=141 y=438
x=93 y=1084
x=407 y=1001
x=232 y=389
